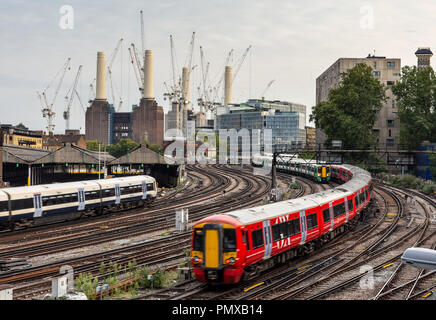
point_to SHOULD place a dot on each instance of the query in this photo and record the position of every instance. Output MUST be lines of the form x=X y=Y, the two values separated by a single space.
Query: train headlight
x=231 y=260
x=196 y=260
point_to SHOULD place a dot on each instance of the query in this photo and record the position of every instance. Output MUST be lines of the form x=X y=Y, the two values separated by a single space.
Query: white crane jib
x=109 y=72
x=70 y=101
x=47 y=111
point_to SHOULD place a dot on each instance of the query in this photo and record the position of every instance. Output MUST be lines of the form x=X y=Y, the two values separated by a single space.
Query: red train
x=240 y=243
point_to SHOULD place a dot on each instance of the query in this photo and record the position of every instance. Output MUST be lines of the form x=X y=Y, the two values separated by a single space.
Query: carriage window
x=4 y=206
x=350 y=205
x=229 y=242
x=293 y=227
x=198 y=240
x=257 y=238
x=326 y=214
x=150 y=186
x=276 y=232
x=311 y=221
x=339 y=209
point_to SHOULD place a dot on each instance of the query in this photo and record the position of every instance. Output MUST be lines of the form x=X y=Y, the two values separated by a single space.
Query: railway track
x=258 y=186
x=377 y=246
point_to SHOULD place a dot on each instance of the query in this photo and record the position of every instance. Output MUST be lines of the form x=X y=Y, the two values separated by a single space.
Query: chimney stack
x=424 y=55
x=228 y=85
x=101 y=77
x=148 y=92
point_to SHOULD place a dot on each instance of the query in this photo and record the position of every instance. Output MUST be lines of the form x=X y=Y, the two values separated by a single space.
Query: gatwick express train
x=40 y=204
x=229 y=246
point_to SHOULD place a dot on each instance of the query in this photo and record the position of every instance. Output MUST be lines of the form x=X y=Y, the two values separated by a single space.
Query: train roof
x=269 y=211
x=247 y=216
x=57 y=188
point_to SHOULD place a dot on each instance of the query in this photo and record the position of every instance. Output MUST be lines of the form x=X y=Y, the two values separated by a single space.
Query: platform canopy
x=22 y=155
x=71 y=153
x=140 y=155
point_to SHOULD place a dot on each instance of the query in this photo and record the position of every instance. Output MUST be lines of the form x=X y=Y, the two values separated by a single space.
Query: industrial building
x=144 y=122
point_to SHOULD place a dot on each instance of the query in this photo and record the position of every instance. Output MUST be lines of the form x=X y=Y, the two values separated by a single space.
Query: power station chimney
x=101 y=77
x=186 y=93
x=228 y=85
x=148 y=92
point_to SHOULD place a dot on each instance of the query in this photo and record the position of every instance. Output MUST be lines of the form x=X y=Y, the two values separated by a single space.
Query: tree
x=92 y=145
x=416 y=99
x=121 y=148
x=350 y=111
x=156 y=148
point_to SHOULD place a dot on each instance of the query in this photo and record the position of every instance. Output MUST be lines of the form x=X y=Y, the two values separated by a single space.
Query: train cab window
x=229 y=241
x=150 y=186
x=257 y=238
x=339 y=209
x=327 y=169
x=326 y=214
x=198 y=240
x=350 y=205
x=312 y=221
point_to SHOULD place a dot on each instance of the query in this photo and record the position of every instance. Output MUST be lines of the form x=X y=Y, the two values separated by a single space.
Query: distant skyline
x=293 y=42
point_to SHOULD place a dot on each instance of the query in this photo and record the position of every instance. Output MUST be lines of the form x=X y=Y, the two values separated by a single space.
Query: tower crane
x=142 y=34
x=266 y=89
x=137 y=70
x=239 y=64
x=70 y=100
x=47 y=110
x=109 y=71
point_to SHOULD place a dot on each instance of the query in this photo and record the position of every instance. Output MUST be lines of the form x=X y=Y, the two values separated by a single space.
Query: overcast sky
x=293 y=42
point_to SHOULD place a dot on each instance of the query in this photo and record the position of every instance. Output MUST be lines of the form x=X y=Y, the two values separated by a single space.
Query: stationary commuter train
x=242 y=243
x=40 y=204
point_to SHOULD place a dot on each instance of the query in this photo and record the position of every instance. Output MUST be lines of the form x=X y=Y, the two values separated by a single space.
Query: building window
x=390 y=123
x=393 y=103
x=391 y=64
x=390 y=133
x=376 y=73
x=390 y=83
x=375 y=64
x=396 y=74
x=390 y=142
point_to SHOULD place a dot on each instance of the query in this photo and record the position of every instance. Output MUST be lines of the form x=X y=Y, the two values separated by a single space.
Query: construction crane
x=47 y=109
x=70 y=100
x=175 y=76
x=267 y=87
x=142 y=34
x=91 y=95
x=109 y=71
x=137 y=70
x=239 y=64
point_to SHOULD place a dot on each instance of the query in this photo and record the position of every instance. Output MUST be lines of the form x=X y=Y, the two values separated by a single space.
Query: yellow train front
x=322 y=172
x=216 y=253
